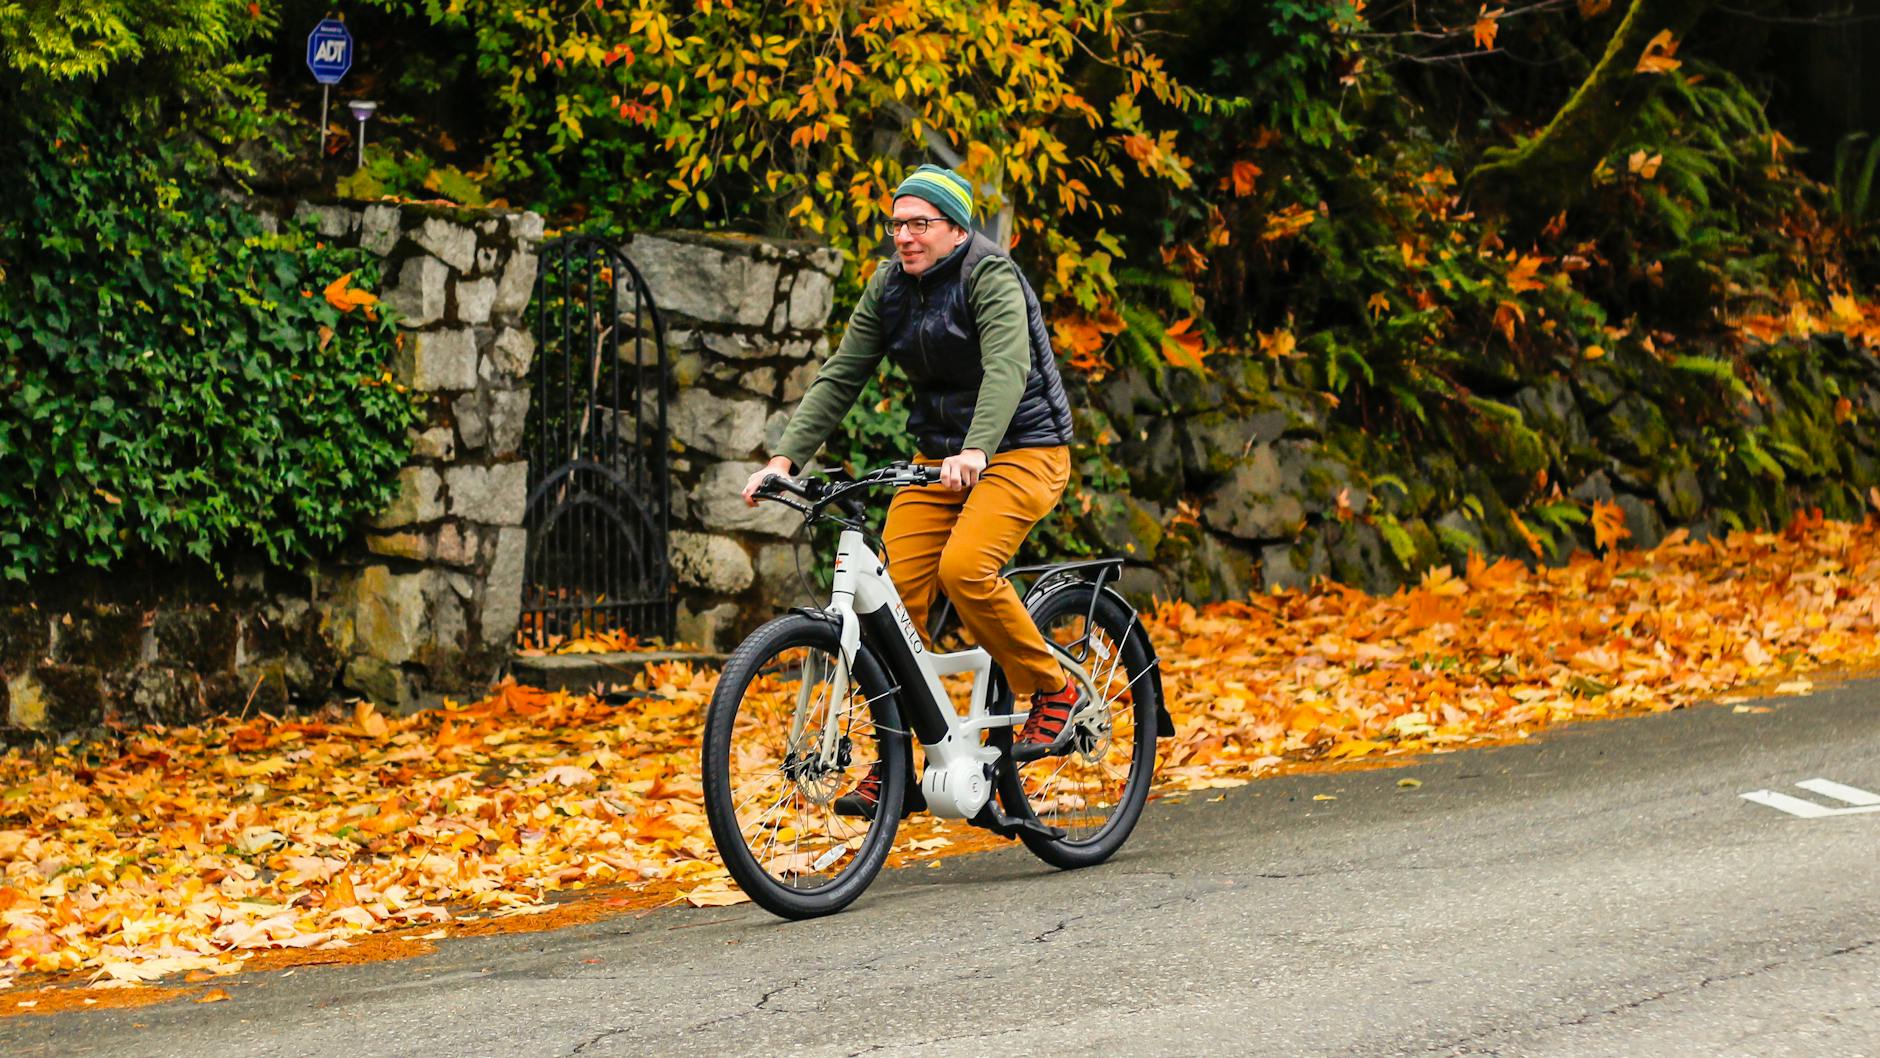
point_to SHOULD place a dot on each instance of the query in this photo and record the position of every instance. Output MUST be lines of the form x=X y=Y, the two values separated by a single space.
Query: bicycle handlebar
x=823 y=493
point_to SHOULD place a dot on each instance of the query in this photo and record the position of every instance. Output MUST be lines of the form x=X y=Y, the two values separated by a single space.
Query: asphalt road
x=1600 y=890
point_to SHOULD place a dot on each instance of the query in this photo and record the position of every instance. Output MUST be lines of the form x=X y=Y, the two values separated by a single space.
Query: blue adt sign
x=329 y=51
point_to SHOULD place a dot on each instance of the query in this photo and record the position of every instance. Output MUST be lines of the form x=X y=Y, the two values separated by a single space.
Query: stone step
x=589 y=672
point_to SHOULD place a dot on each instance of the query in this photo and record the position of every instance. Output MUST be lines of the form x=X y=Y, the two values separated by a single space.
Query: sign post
x=329 y=56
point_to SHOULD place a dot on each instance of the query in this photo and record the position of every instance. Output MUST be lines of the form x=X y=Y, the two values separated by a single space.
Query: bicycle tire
x=1121 y=627
x=883 y=734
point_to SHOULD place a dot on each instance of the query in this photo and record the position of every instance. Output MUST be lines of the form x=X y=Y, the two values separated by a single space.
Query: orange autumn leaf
x=1486 y=28
x=1528 y=537
x=1243 y=175
x=1657 y=56
x=1182 y=346
x=1522 y=276
x=345 y=298
x=1288 y=222
x=1378 y=304
x=1593 y=8
x=1646 y=167
x=1608 y=525
x=1507 y=314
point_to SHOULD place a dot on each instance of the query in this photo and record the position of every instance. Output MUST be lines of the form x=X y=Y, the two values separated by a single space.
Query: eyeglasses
x=915 y=225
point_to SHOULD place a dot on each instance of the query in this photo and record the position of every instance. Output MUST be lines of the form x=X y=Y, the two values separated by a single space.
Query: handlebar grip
x=780 y=483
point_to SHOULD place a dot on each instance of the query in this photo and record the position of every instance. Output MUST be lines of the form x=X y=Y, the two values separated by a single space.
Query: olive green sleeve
x=838 y=381
x=998 y=304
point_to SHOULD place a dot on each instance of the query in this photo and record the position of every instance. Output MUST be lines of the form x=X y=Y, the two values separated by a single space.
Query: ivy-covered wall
x=420 y=595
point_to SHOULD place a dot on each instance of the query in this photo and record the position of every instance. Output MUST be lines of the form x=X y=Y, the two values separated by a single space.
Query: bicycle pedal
x=990 y=818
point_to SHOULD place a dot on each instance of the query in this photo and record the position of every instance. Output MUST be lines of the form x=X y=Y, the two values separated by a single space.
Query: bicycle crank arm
x=990 y=818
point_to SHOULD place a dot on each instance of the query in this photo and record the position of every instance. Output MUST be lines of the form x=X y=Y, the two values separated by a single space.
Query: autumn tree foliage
x=802 y=117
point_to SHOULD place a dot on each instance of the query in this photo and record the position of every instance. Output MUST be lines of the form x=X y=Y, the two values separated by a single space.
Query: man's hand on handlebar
x=778 y=466
x=961 y=472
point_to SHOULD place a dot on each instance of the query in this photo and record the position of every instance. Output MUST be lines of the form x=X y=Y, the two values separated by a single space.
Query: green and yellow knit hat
x=945 y=189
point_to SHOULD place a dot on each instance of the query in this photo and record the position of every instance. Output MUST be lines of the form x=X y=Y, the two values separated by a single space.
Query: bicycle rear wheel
x=1095 y=791
x=779 y=749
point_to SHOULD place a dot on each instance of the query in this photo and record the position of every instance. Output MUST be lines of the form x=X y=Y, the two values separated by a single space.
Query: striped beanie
x=945 y=189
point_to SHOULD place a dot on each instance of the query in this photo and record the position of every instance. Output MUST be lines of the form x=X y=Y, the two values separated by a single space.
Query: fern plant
x=1853 y=200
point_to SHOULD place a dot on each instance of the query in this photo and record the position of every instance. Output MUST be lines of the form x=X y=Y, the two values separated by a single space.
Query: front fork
x=830 y=738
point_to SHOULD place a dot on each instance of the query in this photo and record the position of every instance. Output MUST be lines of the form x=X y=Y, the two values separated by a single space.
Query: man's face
x=921 y=252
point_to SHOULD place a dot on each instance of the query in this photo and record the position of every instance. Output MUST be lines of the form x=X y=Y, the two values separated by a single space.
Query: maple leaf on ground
x=716 y=894
x=1486 y=28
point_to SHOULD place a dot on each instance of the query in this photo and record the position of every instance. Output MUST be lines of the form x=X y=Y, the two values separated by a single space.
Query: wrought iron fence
x=599 y=494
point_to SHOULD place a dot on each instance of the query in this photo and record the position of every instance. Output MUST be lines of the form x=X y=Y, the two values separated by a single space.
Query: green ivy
x=174 y=382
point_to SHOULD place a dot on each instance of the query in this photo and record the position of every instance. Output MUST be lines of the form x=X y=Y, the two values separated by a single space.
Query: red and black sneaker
x=862 y=800
x=1047 y=730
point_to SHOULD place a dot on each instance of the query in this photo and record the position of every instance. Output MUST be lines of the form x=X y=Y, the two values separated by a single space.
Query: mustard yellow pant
x=959 y=541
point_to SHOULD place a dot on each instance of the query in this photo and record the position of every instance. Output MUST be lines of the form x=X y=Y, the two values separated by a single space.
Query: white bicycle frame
x=960 y=767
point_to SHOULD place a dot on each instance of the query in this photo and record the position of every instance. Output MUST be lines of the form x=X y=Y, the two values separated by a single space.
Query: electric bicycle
x=812 y=701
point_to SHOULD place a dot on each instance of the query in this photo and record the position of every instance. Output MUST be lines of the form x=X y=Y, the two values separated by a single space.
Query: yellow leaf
x=1410 y=783
x=1593 y=352
x=213 y=995
x=1843 y=309
x=1378 y=304
x=1277 y=344
x=1657 y=57
x=716 y=894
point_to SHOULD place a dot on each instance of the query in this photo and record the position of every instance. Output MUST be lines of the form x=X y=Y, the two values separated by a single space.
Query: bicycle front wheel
x=781 y=745
x=1095 y=791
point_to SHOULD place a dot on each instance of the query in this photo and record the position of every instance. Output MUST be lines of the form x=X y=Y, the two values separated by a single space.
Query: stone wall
x=1239 y=482
x=430 y=604
x=744 y=323
x=160 y=646
x=424 y=602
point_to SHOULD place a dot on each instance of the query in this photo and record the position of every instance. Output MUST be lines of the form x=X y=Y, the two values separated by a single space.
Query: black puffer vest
x=928 y=329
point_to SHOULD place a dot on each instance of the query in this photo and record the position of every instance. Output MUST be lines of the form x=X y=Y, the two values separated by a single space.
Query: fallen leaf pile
x=189 y=849
x=1501 y=650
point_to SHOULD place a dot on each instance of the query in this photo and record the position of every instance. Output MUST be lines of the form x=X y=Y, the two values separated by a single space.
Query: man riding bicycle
x=953 y=311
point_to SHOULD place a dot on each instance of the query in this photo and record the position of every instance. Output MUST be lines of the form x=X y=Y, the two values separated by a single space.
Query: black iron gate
x=599 y=497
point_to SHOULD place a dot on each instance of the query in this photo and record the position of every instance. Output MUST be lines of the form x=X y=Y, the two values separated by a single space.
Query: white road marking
x=1860 y=801
x=1829 y=788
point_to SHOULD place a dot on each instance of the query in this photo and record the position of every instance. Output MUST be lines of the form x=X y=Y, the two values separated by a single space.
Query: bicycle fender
x=1164 y=723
